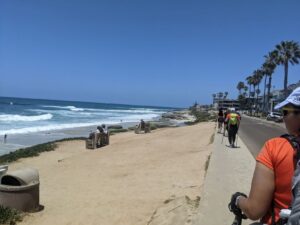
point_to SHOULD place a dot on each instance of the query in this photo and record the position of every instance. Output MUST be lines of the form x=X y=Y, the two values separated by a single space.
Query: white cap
x=293 y=98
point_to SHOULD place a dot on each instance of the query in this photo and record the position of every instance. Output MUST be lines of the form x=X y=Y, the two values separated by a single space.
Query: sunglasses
x=289 y=111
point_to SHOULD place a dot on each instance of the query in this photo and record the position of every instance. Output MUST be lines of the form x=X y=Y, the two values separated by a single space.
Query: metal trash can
x=3 y=169
x=20 y=190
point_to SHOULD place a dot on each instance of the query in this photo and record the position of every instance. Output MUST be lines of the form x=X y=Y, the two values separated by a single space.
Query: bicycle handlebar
x=237 y=220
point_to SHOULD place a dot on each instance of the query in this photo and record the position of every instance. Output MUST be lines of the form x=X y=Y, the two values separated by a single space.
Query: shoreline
x=18 y=141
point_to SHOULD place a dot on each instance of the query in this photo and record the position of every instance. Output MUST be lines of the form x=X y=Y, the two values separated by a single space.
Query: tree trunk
x=286 y=68
x=253 y=99
x=249 y=90
x=269 y=91
x=256 y=104
x=264 y=102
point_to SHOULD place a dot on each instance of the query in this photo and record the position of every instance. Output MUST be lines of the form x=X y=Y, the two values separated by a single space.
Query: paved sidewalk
x=230 y=170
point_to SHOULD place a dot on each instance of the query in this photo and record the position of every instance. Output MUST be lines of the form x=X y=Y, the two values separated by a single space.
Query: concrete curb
x=230 y=170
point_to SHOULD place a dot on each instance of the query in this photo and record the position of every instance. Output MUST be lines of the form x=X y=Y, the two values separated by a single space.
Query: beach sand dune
x=123 y=183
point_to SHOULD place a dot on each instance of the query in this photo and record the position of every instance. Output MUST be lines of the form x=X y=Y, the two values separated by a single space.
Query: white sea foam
x=50 y=127
x=15 y=118
x=130 y=110
x=96 y=113
x=109 y=120
x=136 y=118
x=72 y=108
x=64 y=117
x=63 y=113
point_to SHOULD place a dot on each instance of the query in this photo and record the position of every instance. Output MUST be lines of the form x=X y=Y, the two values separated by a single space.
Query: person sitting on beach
x=142 y=124
x=99 y=133
x=105 y=135
x=92 y=135
x=271 y=188
x=104 y=129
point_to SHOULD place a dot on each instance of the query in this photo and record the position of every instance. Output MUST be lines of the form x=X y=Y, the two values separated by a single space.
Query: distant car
x=275 y=116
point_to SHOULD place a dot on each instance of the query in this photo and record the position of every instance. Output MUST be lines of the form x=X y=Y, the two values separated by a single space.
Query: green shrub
x=189 y=123
x=131 y=128
x=153 y=126
x=71 y=139
x=201 y=116
x=33 y=150
x=28 y=152
x=158 y=125
x=114 y=131
x=9 y=216
x=115 y=127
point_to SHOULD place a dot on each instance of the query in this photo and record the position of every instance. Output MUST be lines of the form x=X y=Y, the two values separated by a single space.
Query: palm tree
x=214 y=97
x=220 y=95
x=288 y=52
x=265 y=84
x=269 y=67
x=225 y=94
x=245 y=90
x=249 y=80
x=240 y=86
x=257 y=76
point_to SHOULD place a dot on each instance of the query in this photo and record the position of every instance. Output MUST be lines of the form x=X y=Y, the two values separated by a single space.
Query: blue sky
x=158 y=52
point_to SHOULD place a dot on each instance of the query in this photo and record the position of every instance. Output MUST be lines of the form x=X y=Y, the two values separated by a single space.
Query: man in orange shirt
x=271 y=188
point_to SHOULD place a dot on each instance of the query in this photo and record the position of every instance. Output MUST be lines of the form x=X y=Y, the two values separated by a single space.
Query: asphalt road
x=255 y=133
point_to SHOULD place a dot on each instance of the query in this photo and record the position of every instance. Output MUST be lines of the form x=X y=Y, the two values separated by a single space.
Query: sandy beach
x=123 y=183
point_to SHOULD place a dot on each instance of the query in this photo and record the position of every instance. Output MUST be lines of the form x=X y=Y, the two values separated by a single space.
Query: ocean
x=21 y=118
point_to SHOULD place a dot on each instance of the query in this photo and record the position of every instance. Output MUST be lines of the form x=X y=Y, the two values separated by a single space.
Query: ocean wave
x=110 y=120
x=50 y=127
x=101 y=114
x=15 y=118
x=72 y=108
x=127 y=110
x=96 y=113
x=137 y=118
x=130 y=110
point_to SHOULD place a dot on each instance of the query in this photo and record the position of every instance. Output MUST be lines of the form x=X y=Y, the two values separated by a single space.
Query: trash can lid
x=23 y=176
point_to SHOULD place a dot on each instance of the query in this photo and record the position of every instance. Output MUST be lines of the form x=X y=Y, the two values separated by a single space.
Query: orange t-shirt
x=278 y=155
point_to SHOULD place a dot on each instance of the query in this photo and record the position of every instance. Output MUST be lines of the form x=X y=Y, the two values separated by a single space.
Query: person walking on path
x=233 y=122
x=220 y=120
x=271 y=188
x=5 y=138
x=225 y=123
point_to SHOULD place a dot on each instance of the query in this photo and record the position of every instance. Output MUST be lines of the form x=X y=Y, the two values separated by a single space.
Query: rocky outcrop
x=177 y=115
